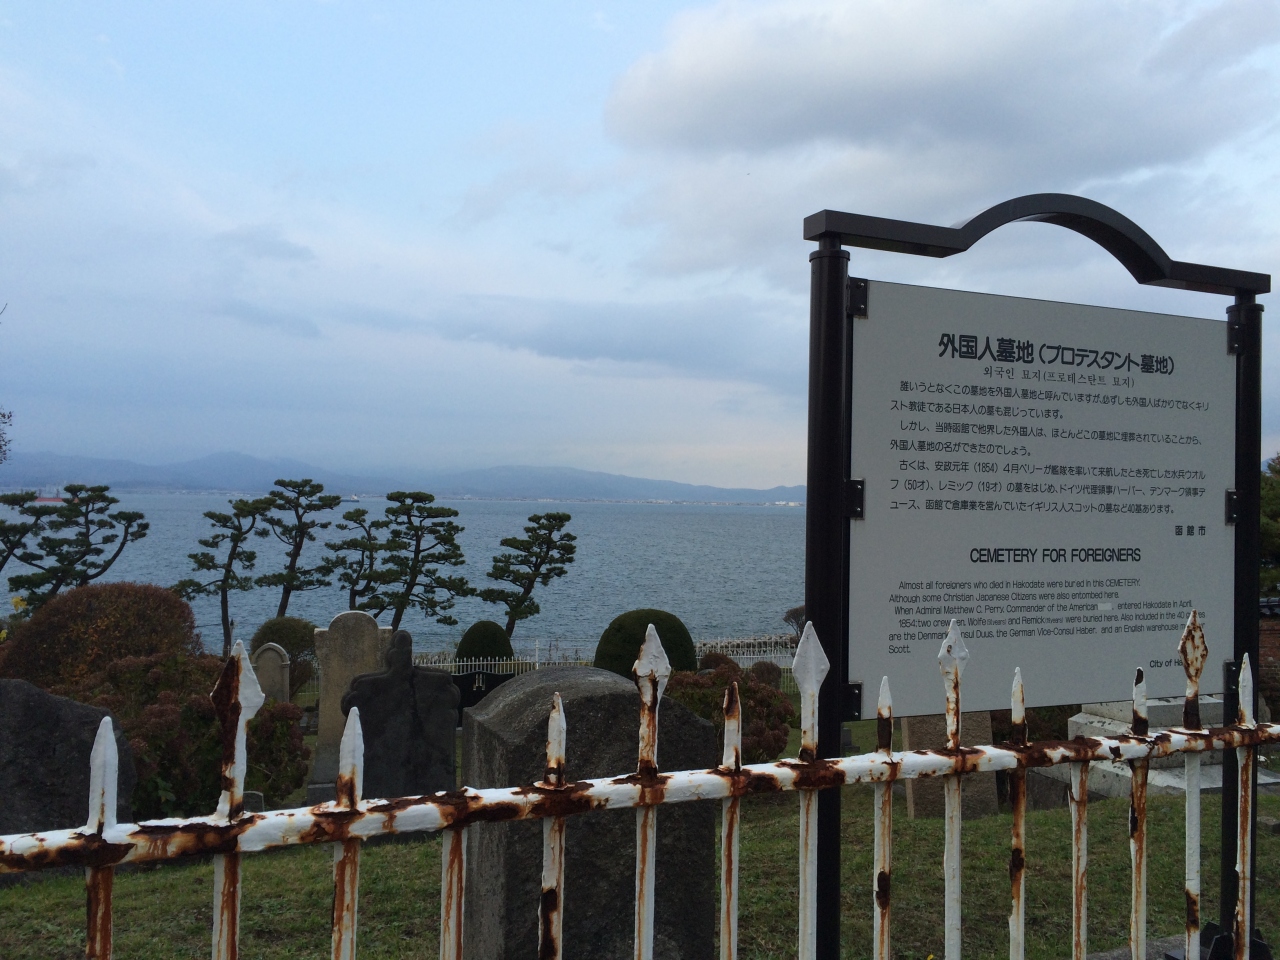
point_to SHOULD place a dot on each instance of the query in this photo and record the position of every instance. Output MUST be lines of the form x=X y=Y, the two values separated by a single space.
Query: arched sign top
x=1111 y=230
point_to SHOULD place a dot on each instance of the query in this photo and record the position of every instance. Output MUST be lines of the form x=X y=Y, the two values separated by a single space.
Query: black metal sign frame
x=834 y=499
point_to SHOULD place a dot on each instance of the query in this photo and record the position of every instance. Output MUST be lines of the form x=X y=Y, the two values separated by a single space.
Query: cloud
x=755 y=114
x=722 y=338
x=262 y=242
x=1090 y=87
x=267 y=318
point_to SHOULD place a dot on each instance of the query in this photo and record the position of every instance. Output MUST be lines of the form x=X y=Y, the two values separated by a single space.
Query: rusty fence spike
x=731 y=762
x=236 y=698
x=1018 y=836
x=810 y=668
x=346 y=854
x=104 y=767
x=1138 y=826
x=551 y=901
x=1194 y=653
x=651 y=671
x=882 y=867
x=952 y=657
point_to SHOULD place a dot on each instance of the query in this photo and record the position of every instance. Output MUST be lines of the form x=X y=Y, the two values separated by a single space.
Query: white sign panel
x=1050 y=475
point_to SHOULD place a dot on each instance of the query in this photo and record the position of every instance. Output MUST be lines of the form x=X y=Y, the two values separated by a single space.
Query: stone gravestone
x=409 y=718
x=353 y=644
x=271 y=664
x=977 y=790
x=505 y=744
x=45 y=744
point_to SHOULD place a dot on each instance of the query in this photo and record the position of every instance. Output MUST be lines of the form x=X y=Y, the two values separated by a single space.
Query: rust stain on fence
x=548 y=938
x=226 y=921
x=226 y=704
x=98 y=883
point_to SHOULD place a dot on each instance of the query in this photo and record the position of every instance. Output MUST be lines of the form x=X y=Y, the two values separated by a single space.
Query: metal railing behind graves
x=230 y=833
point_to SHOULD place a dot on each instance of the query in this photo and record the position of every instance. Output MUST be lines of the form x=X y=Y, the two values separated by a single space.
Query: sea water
x=725 y=570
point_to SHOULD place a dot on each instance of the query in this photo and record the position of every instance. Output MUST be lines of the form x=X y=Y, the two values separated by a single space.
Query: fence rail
x=230 y=833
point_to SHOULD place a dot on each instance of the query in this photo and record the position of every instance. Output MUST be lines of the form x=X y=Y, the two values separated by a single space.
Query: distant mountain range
x=237 y=472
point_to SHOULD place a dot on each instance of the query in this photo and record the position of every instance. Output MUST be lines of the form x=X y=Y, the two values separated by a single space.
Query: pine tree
x=539 y=557
x=231 y=530
x=73 y=550
x=297 y=500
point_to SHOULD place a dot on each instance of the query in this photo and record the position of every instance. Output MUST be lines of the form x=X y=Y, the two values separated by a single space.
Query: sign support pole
x=827 y=548
x=1244 y=324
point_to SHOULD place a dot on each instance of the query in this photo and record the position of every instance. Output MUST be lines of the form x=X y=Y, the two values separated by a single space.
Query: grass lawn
x=167 y=911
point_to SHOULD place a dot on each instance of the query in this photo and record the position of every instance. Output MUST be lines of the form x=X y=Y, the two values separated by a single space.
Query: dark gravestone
x=475 y=686
x=45 y=745
x=504 y=744
x=409 y=716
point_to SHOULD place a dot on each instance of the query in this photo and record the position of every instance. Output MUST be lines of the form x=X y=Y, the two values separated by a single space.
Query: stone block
x=504 y=744
x=353 y=644
x=1162 y=712
x=45 y=744
x=409 y=718
x=977 y=790
x=271 y=665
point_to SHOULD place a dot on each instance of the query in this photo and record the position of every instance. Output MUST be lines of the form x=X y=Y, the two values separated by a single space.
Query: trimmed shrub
x=298 y=638
x=768 y=673
x=714 y=661
x=767 y=713
x=163 y=705
x=485 y=640
x=79 y=633
x=620 y=643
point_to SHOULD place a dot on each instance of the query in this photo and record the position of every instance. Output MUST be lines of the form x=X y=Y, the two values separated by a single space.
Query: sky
x=386 y=236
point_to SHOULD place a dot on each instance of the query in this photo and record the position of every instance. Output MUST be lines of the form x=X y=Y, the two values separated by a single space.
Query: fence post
x=346 y=855
x=951 y=660
x=883 y=867
x=651 y=671
x=1246 y=758
x=551 y=904
x=236 y=698
x=104 y=772
x=1138 y=827
x=1018 y=838
x=1194 y=654
x=731 y=762
x=810 y=667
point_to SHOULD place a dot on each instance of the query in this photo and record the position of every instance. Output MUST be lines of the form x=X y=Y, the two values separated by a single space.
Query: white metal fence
x=230 y=833
x=744 y=651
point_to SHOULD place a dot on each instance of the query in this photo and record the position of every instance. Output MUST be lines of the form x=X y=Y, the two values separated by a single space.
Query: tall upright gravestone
x=505 y=743
x=353 y=644
x=977 y=790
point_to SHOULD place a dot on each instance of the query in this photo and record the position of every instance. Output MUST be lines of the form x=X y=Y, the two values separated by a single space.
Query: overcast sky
x=380 y=235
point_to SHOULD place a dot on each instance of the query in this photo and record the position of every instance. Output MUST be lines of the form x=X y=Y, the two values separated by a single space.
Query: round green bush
x=620 y=643
x=298 y=638
x=79 y=633
x=485 y=640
